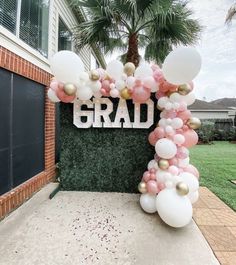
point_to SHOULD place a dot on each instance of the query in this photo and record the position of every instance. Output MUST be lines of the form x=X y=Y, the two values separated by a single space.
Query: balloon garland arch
x=170 y=184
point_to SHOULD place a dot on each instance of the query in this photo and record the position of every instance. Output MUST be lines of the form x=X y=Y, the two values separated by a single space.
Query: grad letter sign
x=98 y=117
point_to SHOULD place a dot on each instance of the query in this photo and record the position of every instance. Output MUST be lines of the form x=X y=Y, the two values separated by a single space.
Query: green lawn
x=217 y=165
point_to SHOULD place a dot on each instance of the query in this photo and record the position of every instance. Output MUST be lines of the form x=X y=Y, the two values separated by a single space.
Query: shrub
x=206 y=132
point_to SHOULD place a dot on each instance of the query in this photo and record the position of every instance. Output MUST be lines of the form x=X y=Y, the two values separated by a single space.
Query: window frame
x=58 y=35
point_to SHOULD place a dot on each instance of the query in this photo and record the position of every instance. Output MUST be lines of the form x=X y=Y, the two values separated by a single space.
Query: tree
x=128 y=25
x=231 y=14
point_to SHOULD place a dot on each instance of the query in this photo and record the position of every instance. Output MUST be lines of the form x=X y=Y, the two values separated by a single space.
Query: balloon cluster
x=170 y=184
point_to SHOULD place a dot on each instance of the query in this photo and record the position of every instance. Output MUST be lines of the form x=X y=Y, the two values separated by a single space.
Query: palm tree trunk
x=132 y=54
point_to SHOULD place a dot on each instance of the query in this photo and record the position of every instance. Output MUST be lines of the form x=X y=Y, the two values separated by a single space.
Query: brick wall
x=15 y=197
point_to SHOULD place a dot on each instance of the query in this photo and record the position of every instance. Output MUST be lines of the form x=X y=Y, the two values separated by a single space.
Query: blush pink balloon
x=173 y=161
x=182 y=106
x=152 y=138
x=161 y=186
x=153 y=176
x=63 y=97
x=192 y=169
x=191 y=138
x=169 y=87
x=181 y=153
x=146 y=176
x=104 y=92
x=106 y=85
x=159 y=132
x=152 y=187
x=54 y=85
x=152 y=170
x=173 y=170
x=159 y=94
x=184 y=115
x=171 y=114
x=140 y=94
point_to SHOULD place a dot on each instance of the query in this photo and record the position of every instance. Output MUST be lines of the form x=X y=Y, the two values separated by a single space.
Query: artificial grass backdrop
x=103 y=159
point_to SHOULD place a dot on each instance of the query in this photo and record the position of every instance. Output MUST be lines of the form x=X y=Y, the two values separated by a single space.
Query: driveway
x=96 y=228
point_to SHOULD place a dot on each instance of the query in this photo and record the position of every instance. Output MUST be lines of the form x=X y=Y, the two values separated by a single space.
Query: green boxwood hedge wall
x=103 y=159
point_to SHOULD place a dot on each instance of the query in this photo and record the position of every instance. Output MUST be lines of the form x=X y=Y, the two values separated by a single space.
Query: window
x=64 y=37
x=28 y=19
x=34 y=24
x=8 y=14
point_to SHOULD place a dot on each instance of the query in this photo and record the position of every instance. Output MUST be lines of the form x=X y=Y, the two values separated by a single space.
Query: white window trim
x=58 y=20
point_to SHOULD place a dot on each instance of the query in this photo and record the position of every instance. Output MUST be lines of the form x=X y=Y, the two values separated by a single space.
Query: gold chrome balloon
x=182 y=188
x=94 y=75
x=163 y=164
x=194 y=123
x=184 y=89
x=70 y=89
x=129 y=69
x=125 y=93
x=142 y=187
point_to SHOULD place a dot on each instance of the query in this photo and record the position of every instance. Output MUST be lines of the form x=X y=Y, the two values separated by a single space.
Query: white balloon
x=183 y=162
x=162 y=123
x=181 y=65
x=178 y=139
x=148 y=203
x=174 y=210
x=66 y=66
x=165 y=148
x=52 y=96
x=84 y=93
x=193 y=196
x=190 y=180
x=161 y=175
x=177 y=123
x=152 y=164
x=120 y=84
x=150 y=82
x=130 y=81
x=142 y=71
x=94 y=85
x=162 y=102
x=115 y=69
x=189 y=99
x=168 y=106
x=97 y=94
x=84 y=77
x=175 y=98
x=169 y=129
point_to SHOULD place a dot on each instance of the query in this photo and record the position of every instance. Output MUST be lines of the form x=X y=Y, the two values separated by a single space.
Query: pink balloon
x=173 y=170
x=159 y=94
x=182 y=153
x=191 y=138
x=146 y=176
x=184 y=115
x=171 y=114
x=159 y=132
x=63 y=97
x=161 y=186
x=114 y=93
x=182 y=106
x=152 y=170
x=106 y=85
x=104 y=92
x=169 y=87
x=140 y=94
x=192 y=169
x=152 y=138
x=153 y=176
x=152 y=187
x=173 y=161
x=54 y=85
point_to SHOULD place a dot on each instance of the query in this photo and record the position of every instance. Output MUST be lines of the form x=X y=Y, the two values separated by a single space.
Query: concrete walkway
x=96 y=228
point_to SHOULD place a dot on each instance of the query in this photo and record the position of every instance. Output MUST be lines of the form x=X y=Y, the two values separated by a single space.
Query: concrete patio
x=96 y=228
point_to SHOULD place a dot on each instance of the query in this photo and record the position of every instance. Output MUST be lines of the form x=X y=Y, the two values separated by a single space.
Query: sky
x=217 y=46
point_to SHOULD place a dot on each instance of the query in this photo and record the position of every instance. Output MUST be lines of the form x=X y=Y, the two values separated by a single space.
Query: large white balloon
x=148 y=203
x=193 y=196
x=52 y=96
x=84 y=93
x=181 y=65
x=165 y=148
x=174 y=210
x=66 y=66
x=143 y=71
x=190 y=180
x=115 y=69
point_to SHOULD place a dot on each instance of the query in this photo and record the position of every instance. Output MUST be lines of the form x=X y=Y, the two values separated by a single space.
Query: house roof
x=227 y=102
x=203 y=105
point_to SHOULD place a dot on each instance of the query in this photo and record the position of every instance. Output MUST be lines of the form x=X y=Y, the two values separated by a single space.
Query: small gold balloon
x=182 y=188
x=163 y=164
x=69 y=89
x=125 y=93
x=184 y=89
x=194 y=123
x=142 y=187
x=94 y=75
x=129 y=68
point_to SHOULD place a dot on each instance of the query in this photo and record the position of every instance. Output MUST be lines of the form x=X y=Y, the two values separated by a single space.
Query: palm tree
x=231 y=14
x=127 y=25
